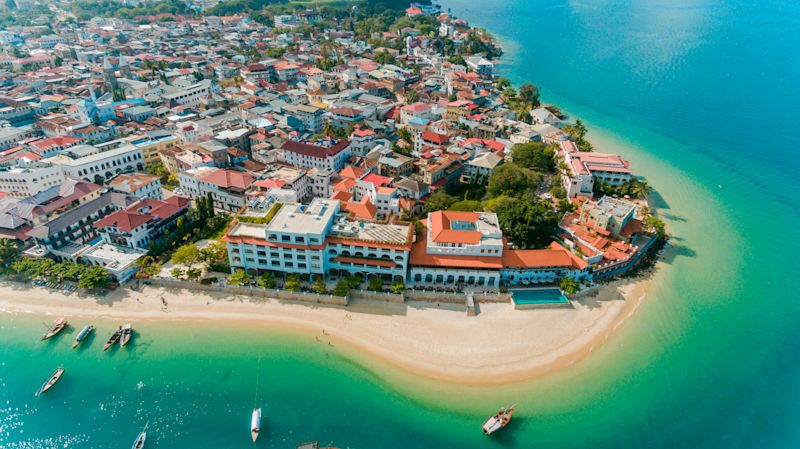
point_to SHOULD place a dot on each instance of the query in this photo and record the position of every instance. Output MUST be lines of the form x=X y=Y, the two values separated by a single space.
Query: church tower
x=124 y=68
x=109 y=79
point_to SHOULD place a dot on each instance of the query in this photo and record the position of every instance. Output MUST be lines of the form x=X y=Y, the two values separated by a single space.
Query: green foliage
x=261 y=220
x=292 y=283
x=346 y=284
x=398 y=287
x=655 y=224
x=535 y=156
x=94 y=277
x=239 y=277
x=148 y=267
x=513 y=180
x=87 y=9
x=577 y=133
x=319 y=286
x=634 y=188
x=569 y=285
x=8 y=251
x=529 y=95
x=439 y=200
x=375 y=284
x=466 y=206
x=266 y=280
x=527 y=224
x=176 y=272
x=193 y=274
x=186 y=255
x=214 y=252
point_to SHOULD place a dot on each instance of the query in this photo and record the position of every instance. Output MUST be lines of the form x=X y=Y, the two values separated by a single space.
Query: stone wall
x=256 y=292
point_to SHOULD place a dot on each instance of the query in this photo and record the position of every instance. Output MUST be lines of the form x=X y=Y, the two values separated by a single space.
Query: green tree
x=513 y=180
x=186 y=255
x=292 y=283
x=577 y=133
x=239 y=277
x=529 y=94
x=398 y=287
x=193 y=274
x=213 y=252
x=535 y=156
x=640 y=189
x=439 y=200
x=94 y=277
x=655 y=224
x=266 y=280
x=176 y=272
x=466 y=206
x=8 y=251
x=375 y=284
x=569 y=285
x=319 y=286
x=527 y=224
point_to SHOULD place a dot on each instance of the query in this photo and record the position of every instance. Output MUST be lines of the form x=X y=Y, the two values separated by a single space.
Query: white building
x=583 y=168
x=317 y=239
x=227 y=187
x=326 y=155
x=140 y=185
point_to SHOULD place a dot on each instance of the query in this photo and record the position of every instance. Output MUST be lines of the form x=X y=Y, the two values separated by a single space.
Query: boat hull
x=82 y=335
x=51 y=381
x=255 y=424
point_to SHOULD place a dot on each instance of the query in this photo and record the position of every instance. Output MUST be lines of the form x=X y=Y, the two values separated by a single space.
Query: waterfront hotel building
x=452 y=249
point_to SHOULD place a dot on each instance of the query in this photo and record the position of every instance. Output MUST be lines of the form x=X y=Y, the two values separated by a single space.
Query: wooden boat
x=113 y=339
x=82 y=335
x=498 y=421
x=255 y=424
x=58 y=325
x=51 y=381
x=139 y=443
x=125 y=337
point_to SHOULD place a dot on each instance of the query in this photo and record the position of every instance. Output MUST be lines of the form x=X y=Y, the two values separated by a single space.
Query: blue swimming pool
x=538 y=296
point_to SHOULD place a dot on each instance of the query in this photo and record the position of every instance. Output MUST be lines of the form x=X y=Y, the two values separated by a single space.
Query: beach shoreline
x=438 y=342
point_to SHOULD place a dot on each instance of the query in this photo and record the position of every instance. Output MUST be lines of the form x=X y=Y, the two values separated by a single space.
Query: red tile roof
x=314 y=150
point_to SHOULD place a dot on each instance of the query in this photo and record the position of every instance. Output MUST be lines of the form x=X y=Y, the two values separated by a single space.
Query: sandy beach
x=441 y=343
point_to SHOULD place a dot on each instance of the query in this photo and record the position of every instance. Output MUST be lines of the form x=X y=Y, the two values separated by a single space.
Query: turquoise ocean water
x=703 y=97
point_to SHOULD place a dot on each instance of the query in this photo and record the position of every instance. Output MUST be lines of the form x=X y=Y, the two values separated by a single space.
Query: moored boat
x=51 y=381
x=113 y=339
x=58 y=325
x=82 y=335
x=139 y=443
x=125 y=337
x=255 y=424
x=498 y=421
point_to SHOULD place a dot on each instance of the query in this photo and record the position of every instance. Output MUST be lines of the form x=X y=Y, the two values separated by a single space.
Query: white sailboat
x=255 y=424
x=139 y=443
x=498 y=421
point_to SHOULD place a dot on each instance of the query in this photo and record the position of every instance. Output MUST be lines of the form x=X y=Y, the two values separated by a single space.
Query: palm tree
x=640 y=188
x=8 y=249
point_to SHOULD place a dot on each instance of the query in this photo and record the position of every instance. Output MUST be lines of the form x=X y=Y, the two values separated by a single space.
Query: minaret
x=124 y=68
x=109 y=78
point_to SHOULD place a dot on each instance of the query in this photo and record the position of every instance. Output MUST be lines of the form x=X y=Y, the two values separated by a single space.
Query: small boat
x=51 y=381
x=125 y=337
x=139 y=443
x=58 y=325
x=113 y=339
x=255 y=424
x=82 y=335
x=498 y=421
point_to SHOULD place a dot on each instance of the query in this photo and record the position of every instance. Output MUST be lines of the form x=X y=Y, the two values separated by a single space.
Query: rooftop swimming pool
x=538 y=296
